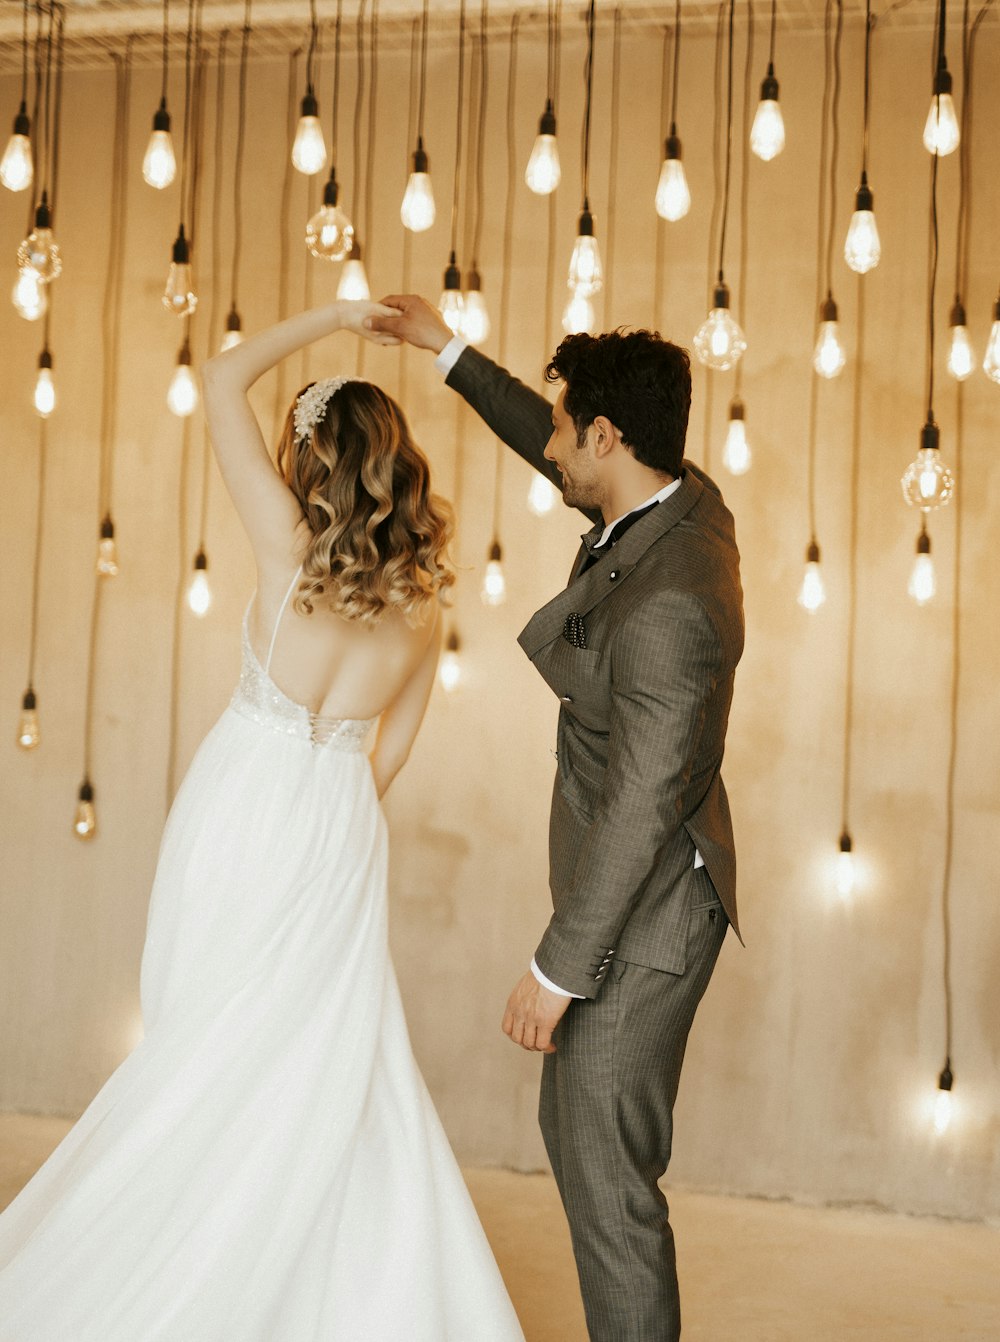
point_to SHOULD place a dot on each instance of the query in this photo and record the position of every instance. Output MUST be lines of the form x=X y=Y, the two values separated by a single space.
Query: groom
x=641 y=649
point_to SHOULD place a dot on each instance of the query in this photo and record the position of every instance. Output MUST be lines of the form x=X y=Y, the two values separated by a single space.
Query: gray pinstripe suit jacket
x=643 y=712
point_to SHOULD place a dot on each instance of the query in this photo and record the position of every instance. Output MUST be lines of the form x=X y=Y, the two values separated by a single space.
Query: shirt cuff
x=547 y=983
x=449 y=356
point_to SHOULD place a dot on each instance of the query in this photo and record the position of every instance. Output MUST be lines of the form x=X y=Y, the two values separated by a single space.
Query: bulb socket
x=924 y=543
x=45 y=358
x=946 y=1080
x=720 y=296
x=957 y=315
x=473 y=281
x=86 y=792
x=996 y=310
x=43 y=215
x=672 y=145
x=107 y=528
x=547 y=121
x=184 y=354
x=452 y=274
x=863 y=198
x=22 y=122
x=942 y=79
x=451 y=643
x=331 y=191
x=585 y=228
x=496 y=554
x=355 y=252
x=812 y=553
x=930 y=437
x=846 y=846
x=421 y=163
x=233 y=321
x=310 y=107
x=769 y=86
x=736 y=409
x=161 y=117
x=182 y=249
x=200 y=562
x=828 y=310
x=29 y=703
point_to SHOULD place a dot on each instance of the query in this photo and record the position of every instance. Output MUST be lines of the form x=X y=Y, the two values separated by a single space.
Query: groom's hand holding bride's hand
x=414 y=321
x=533 y=1012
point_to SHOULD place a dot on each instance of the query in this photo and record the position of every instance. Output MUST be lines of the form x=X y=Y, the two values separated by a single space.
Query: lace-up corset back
x=258 y=698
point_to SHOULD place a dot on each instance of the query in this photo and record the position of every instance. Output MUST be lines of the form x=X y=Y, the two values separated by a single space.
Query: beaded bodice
x=258 y=698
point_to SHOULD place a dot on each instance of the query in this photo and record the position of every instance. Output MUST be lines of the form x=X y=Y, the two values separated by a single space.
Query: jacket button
x=613 y=574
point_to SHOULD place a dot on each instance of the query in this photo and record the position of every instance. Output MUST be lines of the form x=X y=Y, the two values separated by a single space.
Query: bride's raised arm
x=267 y=508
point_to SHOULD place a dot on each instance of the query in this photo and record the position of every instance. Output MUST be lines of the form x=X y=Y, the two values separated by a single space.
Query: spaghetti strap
x=291 y=588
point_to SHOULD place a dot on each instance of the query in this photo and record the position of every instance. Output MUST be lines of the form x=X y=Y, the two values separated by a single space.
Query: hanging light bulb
x=542 y=495
x=941 y=133
x=107 y=551
x=17 y=169
x=85 y=817
x=179 y=296
x=159 y=165
x=719 y=343
x=863 y=248
x=451 y=304
x=961 y=360
x=28 y=734
x=329 y=233
x=922 y=585
x=30 y=295
x=353 y=278
x=234 y=331
x=812 y=593
x=586 y=276
x=736 y=455
x=767 y=134
x=450 y=668
x=673 y=197
x=309 y=149
x=182 y=397
x=829 y=357
x=199 y=594
x=494 y=589
x=846 y=874
x=45 y=388
x=39 y=252
x=418 y=210
x=991 y=359
x=474 y=325
x=927 y=484
x=578 y=315
x=943 y=1103
x=543 y=171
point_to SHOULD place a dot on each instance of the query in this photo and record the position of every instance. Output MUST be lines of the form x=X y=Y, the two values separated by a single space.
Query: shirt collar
x=658 y=497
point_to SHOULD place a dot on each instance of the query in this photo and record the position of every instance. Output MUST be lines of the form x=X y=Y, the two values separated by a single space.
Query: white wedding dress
x=267 y=1165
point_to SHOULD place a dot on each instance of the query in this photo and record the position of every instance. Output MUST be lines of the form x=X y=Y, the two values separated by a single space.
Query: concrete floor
x=751 y=1271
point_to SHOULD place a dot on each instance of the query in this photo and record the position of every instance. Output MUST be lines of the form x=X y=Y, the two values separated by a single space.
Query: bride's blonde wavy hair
x=379 y=535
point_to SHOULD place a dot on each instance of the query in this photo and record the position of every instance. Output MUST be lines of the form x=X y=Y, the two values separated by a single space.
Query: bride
x=266 y=1165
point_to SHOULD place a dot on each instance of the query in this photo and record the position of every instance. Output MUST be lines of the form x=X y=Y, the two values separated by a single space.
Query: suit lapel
x=586 y=590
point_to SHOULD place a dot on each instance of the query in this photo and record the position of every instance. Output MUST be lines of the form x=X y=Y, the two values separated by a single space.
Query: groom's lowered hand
x=415 y=321
x=533 y=1012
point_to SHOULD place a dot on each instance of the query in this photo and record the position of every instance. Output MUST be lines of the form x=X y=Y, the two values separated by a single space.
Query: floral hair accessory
x=310 y=407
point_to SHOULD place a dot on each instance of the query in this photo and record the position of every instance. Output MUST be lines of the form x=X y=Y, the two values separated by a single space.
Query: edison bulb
x=475 y=320
x=862 y=247
x=29 y=295
x=107 y=551
x=85 y=817
x=846 y=874
x=673 y=196
x=829 y=357
x=233 y=336
x=353 y=278
x=543 y=173
x=45 y=393
x=991 y=359
x=736 y=454
x=329 y=233
x=178 y=295
x=451 y=305
x=578 y=315
x=922 y=585
x=309 y=149
x=450 y=666
x=961 y=360
x=199 y=594
x=586 y=275
x=943 y=1111
x=812 y=593
x=494 y=589
x=418 y=210
x=767 y=134
x=159 y=165
x=17 y=169
x=182 y=397
x=28 y=732
x=941 y=133
x=542 y=495
x=927 y=482
x=719 y=343
x=40 y=252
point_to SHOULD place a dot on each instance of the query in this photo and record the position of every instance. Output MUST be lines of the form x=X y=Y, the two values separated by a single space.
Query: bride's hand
x=353 y=313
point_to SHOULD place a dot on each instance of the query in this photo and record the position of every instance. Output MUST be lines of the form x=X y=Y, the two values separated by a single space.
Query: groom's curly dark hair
x=639 y=381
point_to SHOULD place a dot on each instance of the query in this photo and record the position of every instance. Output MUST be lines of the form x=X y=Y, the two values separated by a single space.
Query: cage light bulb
x=28 y=733
x=767 y=134
x=309 y=149
x=812 y=593
x=418 y=210
x=736 y=454
x=961 y=360
x=182 y=397
x=578 y=315
x=586 y=275
x=543 y=172
x=927 y=482
x=719 y=342
x=39 y=251
x=673 y=196
x=494 y=589
x=329 y=233
x=828 y=356
x=354 y=278
x=991 y=359
x=199 y=594
x=45 y=388
x=29 y=295
x=941 y=134
x=474 y=326
x=178 y=295
x=943 y=1104
x=17 y=169
x=159 y=165
x=450 y=667
x=85 y=817
x=107 y=551
x=863 y=247
x=542 y=495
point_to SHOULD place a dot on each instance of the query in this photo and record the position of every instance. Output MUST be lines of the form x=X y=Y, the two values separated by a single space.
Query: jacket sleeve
x=665 y=663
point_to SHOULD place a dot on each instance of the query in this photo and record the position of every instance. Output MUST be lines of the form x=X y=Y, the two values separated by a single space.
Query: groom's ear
x=606 y=436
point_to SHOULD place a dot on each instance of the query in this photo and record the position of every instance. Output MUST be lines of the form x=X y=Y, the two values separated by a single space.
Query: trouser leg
x=606 y=1115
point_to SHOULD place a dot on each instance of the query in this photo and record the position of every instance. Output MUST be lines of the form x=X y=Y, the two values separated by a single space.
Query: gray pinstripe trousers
x=606 y=1115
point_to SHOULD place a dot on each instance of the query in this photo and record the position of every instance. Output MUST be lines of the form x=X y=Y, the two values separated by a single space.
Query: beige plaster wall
x=814 y=1058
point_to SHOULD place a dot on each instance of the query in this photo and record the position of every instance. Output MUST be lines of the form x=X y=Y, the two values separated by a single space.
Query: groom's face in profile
x=575 y=460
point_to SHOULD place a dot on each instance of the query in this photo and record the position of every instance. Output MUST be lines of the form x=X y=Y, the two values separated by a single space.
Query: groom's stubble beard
x=581 y=490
